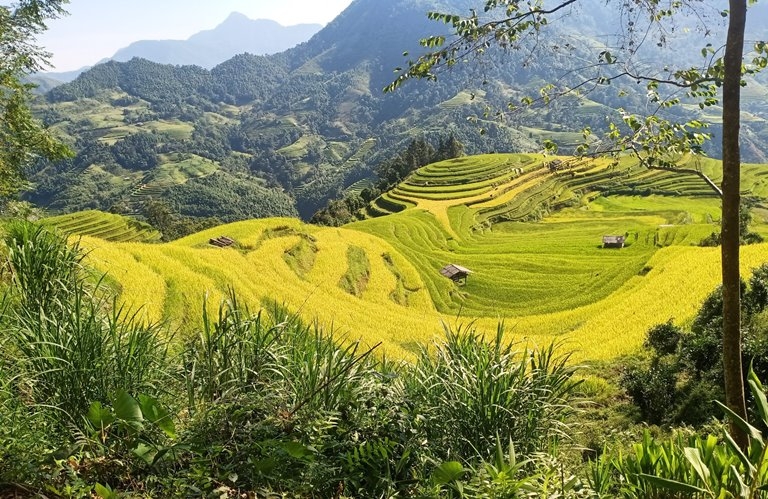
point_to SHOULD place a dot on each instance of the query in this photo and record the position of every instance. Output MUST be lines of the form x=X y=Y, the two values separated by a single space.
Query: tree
x=449 y=148
x=655 y=140
x=730 y=235
x=22 y=138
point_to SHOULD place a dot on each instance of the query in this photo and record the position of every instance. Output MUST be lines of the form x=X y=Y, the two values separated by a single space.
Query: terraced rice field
x=532 y=237
x=107 y=226
x=175 y=169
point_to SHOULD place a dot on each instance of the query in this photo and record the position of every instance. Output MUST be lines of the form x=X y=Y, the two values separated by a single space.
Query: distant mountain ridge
x=309 y=122
x=237 y=34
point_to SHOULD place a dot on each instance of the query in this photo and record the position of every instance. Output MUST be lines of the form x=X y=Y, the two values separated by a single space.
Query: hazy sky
x=96 y=29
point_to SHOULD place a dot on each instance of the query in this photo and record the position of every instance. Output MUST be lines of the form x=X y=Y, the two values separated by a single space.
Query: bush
x=664 y=338
x=470 y=393
x=652 y=389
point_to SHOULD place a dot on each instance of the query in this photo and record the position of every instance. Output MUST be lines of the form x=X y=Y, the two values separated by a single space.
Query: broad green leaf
x=104 y=492
x=296 y=450
x=736 y=474
x=265 y=466
x=694 y=457
x=145 y=453
x=127 y=408
x=99 y=416
x=668 y=484
x=739 y=453
x=756 y=387
x=154 y=412
x=747 y=428
x=447 y=472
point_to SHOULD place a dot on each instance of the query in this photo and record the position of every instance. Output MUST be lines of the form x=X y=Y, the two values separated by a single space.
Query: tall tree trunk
x=734 y=379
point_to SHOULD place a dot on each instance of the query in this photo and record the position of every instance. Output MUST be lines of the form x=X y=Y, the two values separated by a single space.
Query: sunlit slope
x=172 y=280
x=556 y=264
x=105 y=226
x=530 y=233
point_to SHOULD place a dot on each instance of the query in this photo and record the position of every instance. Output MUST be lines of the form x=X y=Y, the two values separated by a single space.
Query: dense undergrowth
x=259 y=404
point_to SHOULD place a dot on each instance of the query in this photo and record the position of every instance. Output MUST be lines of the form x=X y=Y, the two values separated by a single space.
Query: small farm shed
x=555 y=165
x=221 y=242
x=456 y=273
x=613 y=241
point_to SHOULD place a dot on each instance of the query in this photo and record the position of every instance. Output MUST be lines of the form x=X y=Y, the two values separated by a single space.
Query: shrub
x=470 y=392
x=664 y=338
x=652 y=389
x=70 y=344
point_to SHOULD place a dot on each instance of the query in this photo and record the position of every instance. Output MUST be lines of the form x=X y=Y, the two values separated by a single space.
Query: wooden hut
x=613 y=241
x=221 y=242
x=456 y=273
x=555 y=165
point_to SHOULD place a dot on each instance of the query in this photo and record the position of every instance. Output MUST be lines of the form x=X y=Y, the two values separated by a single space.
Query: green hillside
x=311 y=122
x=105 y=226
x=531 y=236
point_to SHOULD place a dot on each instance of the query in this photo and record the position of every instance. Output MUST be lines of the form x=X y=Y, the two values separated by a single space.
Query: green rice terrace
x=105 y=226
x=529 y=228
x=481 y=212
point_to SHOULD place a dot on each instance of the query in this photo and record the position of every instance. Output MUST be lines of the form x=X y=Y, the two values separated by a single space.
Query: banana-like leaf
x=756 y=387
x=447 y=472
x=668 y=484
x=694 y=457
x=750 y=430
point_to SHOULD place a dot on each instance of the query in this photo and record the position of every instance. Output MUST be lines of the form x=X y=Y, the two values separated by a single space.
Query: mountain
x=43 y=82
x=236 y=35
x=303 y=125
x=62 y=76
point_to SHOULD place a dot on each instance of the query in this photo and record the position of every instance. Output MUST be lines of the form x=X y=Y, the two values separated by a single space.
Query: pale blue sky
x=96 y=29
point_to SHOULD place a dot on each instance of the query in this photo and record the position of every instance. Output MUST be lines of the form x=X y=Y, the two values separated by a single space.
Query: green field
x=105 y=226
x=531 y=236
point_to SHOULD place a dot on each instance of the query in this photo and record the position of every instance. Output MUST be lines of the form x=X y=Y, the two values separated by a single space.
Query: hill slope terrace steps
x=107 y=226
x=507 y=187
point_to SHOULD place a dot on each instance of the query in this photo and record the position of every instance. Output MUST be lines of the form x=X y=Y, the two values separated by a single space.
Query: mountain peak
x=236 y=16
x=235 y=35
x=240 y=20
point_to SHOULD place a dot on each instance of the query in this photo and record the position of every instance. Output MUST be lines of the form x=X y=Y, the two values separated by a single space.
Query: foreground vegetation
x=95 y=400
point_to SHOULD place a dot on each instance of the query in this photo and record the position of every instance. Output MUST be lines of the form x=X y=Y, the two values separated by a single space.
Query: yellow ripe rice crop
x=548 y=280
x=140 y=286
x=679 y=279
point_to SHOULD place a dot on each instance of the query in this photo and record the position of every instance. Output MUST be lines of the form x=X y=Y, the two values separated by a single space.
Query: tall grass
x=475 y=393
x=237 y=351
x=69 y=343
x=43 y=267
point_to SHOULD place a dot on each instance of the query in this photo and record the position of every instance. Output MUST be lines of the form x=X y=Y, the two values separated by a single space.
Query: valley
x=304 y=126
x=532 y=238
x=419 y=254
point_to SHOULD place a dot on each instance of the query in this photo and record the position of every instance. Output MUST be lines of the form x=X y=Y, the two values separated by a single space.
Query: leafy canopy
x=22 y=138
x=658 y=137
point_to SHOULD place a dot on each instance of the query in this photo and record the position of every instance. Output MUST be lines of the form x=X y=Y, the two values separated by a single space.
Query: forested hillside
x=302 y=126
